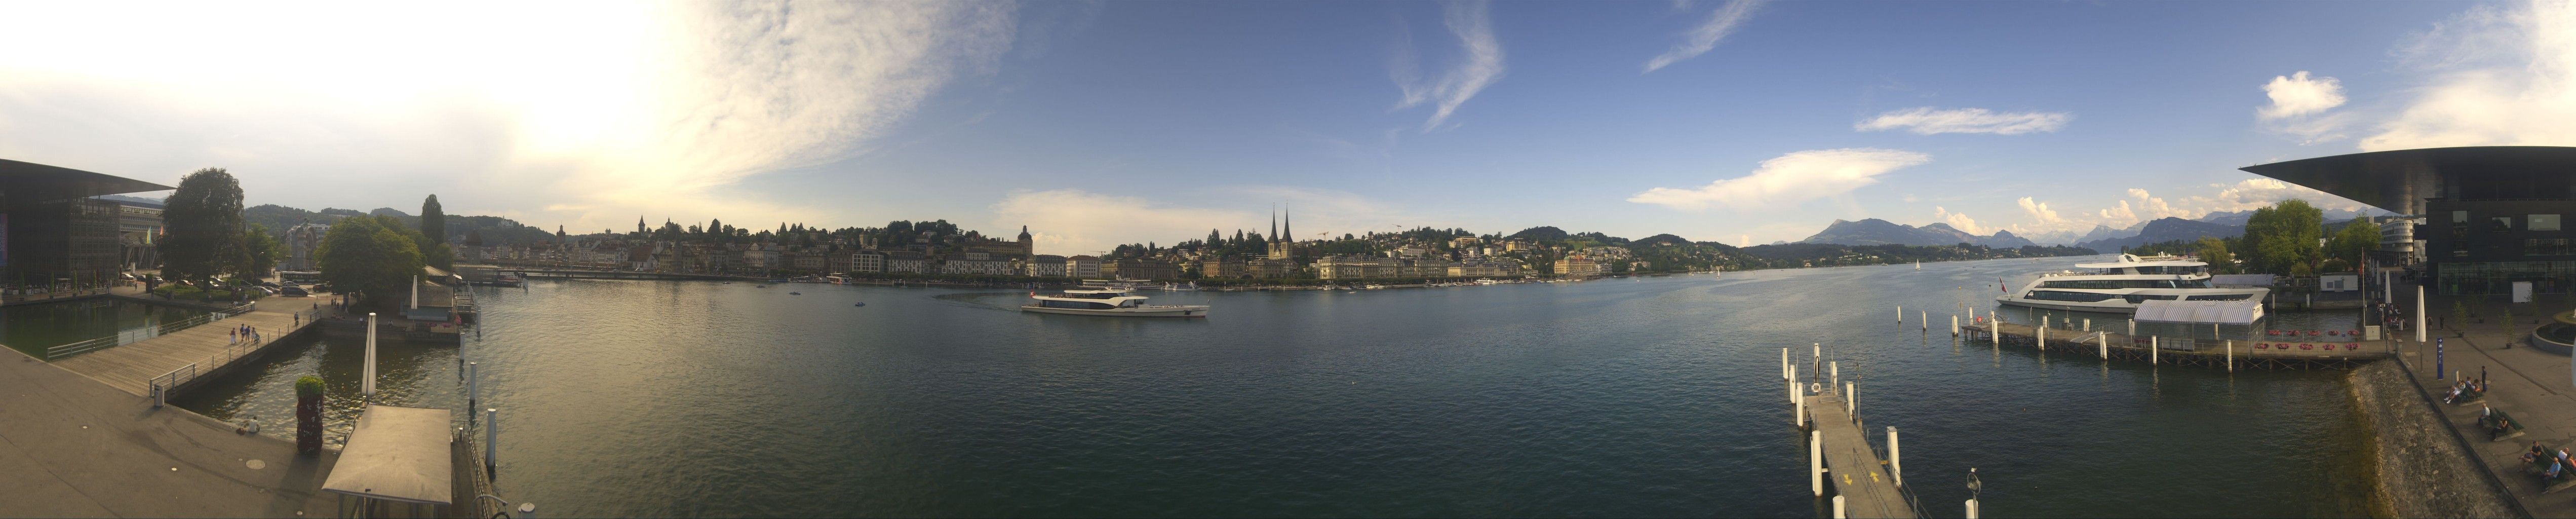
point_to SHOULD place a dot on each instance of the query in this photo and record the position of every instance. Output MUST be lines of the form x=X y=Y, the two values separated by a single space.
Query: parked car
x=293 y=291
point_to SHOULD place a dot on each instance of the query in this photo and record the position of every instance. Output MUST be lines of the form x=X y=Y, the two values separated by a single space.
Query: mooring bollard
x=2106 y=348
x=1954 y=325
x=1816 y=461
x=1838 y=508
x=1972 y=509
x=1837 y=375
x=1895 y=458
x=1927 y=320
x=2231 y=356
x=1797 y=406
x=1851 y=400
x=1784 y=365
x=473 y=385
x=491 y=439
x=2155 y=347
x=2088 y=324
x=1900 y=314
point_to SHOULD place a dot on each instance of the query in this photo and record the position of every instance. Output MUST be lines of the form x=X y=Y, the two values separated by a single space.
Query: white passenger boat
x=2120 y=285
x=1108 y=301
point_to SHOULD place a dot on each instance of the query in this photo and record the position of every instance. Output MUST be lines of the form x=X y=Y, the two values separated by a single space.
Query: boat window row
x=1080 y=305
x=2126 y=283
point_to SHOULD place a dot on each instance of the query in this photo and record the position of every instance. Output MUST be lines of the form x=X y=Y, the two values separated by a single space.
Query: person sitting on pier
x=2536 y=454
x=2503 y=426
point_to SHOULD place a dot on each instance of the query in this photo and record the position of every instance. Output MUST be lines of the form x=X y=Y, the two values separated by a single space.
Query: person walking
x=234 y=338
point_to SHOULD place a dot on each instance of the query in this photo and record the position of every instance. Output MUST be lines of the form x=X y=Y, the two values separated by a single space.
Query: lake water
x=1653 y=397
x=32 y=328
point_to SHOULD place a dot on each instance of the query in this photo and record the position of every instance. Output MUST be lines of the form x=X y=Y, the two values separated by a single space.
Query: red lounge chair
x=2352 y=333
x=2306 y=346
x=2262 y=346
x=2352 y=346
x=2312 y=333
x=2272 y=332
x=2334 y=332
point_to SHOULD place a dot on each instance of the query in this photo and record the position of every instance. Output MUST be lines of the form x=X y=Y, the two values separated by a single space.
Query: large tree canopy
x=2353 y=243
x=260 y=252
x=433 y=234
x=202 y=227
x=2282 y=239
x=371 y=254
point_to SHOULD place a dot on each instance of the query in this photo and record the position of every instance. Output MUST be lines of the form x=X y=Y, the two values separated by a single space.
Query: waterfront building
x=1484 y=268
x=138 y=227
x=1577 y=265
x=301 y=241
x=1137 y=268
x=2480 y=218
x=904 y=261
x=56 y=234
x=1269 y=268
x=992 y=267
x=1082 y=267
x=1223 y=267
x=809 y=261
x=866 y=262
x=1046 y=266
x=1464 y=242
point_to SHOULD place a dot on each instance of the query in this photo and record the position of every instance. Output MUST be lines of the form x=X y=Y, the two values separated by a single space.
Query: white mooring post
x=491 y=439
x=1797 y=406
x=1784 y=365
x=367 y=385
x=1895 y=458
x=2088 y=324
x=2155 y=347
x=2419 y=322
x=1851 y=400
x=1837 y=375
x=1972 y=509
x=1817 y=354
x=2231 y=356
x=1838 y=508
x=473 y=386
x=1954 y=325
x=2041 y=332
x=1793 y=386
x=1927 y=320
x=2105 y=343
x=2133 y=328
x=1900 y=314
x=1816 y=462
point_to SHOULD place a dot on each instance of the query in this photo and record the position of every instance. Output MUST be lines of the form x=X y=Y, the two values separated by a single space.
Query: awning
x=2241 y=280
x=397 y=454
x=2199 y=312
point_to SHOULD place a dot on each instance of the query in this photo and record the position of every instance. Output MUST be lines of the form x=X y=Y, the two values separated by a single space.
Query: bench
x=2513 y=427
x=2469 y=396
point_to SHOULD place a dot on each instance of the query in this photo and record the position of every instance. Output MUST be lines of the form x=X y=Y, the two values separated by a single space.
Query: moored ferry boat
x=1108 y=301
x=2119 y=286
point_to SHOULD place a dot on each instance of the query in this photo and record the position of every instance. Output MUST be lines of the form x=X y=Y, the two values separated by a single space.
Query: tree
x=433 y=235
x=372 y=255
x=2214 y=251
x=2285 y=234
x=202 y=229
x=2352 y=244
x=260 y=252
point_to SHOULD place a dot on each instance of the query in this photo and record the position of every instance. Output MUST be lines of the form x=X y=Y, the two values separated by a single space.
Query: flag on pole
x=1999 y=286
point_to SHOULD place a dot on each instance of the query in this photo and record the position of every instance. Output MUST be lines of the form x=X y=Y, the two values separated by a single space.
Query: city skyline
x=1099 y=124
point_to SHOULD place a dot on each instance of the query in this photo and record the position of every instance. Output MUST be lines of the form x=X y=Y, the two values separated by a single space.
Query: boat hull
x=1185 y=311
x=2121 y=305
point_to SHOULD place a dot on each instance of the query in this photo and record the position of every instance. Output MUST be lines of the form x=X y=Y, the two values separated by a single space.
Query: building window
x=2545 y=247
x=2500 y=224
x=2544 y=222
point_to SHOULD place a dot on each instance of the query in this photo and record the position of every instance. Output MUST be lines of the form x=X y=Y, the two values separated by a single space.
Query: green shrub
x=308 y=386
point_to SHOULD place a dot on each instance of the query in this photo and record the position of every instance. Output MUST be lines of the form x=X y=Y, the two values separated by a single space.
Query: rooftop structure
x=58 y=235
x=2485 y=217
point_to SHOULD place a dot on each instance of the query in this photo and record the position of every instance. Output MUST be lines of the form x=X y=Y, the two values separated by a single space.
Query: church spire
x=1286 y=231
x=1274 y=223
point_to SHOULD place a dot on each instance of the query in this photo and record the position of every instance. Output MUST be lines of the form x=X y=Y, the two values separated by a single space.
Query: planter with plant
x=308 y=415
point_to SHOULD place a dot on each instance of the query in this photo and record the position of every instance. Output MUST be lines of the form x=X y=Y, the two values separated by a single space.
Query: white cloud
x=1789 y=179
x=2038 y=210
x=599 y=110
x=2245 y=195
x=2498 y=76
x=1721 y=22
x=1928 y=121
x=1959 y=221
x=1481 y=65
x=2296 y=95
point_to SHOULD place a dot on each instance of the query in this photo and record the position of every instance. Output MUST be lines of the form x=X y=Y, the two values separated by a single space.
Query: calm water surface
x=1655 y=397
x=32 y=328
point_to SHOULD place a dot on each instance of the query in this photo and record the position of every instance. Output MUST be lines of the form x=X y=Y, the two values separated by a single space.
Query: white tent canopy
x=2199 y=312
x=397 y=454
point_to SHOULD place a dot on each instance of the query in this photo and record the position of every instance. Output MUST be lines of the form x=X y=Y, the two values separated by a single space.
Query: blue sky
x=1102 y=123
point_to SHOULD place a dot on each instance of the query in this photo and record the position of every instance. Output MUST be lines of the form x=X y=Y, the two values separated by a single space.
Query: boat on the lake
x=1108 y=301
x=2119 y=286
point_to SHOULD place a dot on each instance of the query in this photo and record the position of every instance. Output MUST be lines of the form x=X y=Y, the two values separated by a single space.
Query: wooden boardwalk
x=2281 y=353
x=209 y=346
x=1852 y=468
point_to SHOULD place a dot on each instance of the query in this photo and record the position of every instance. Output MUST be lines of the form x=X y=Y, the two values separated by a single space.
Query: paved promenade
x=2532 y=385
x=131 y=367
x=74 y=447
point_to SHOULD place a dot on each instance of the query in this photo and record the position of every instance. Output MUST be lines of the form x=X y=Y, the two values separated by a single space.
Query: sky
x=1101 y=123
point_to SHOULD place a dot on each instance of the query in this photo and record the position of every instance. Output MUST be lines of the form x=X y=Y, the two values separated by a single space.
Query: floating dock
x=2288 y=352
x=1842 y=465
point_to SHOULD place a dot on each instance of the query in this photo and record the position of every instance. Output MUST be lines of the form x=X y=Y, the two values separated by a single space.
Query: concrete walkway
x=73 y=447
x=2532 y=385
x=131 y=367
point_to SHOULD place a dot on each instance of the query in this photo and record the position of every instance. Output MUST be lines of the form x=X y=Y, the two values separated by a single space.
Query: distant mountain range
x=2166 y=229
x=1874 y=231
x=2112 y=237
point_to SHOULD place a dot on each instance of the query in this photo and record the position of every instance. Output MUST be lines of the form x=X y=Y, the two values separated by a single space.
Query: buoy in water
x=795 y=293
x=859 y=304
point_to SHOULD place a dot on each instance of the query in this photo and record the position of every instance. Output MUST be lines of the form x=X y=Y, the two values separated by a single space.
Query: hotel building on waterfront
x=56 y=235
x=2479 y=218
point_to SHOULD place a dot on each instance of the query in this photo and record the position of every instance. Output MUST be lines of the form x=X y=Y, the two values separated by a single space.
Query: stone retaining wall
x=2422 y=468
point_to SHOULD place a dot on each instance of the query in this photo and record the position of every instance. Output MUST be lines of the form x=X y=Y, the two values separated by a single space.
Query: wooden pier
x=2287 y=352
x=174 y=359
x=1842 y=465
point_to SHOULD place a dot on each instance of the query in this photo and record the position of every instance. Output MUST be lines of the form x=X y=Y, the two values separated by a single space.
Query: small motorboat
x=859 y=304
x=795 y=293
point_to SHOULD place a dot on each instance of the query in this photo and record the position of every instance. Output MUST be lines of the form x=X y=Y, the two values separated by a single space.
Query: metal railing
x=62 y=351
x=160 y=385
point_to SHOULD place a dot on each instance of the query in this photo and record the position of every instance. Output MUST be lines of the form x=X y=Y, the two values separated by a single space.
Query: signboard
x=2522 y=291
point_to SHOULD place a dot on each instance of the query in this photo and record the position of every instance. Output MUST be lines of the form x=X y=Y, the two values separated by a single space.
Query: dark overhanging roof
x=2400 y=180
x=32 y=181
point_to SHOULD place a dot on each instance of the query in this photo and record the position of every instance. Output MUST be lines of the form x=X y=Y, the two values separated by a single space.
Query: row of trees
x=2288 y=238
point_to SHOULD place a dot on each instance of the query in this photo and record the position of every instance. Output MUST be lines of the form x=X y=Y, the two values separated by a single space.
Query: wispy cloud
x=1721 y=22
x=1480 y=64
x=2039 y=210
x=1959 y=221
x=598 y=112
x=1789 y=179
x=1928 y=121
x=2500 y=75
